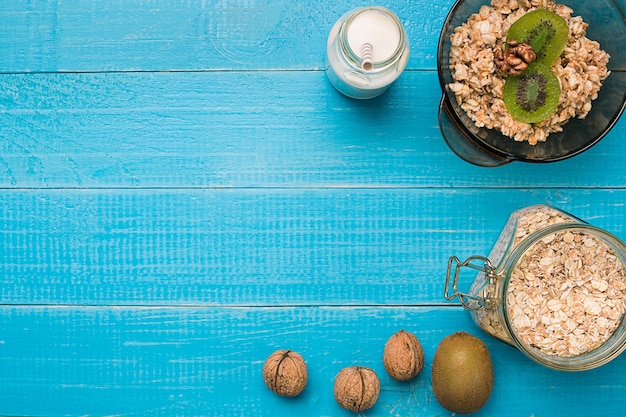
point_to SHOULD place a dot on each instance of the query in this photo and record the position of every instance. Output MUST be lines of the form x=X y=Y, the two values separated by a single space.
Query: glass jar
x=553 y=286
x=367 y=51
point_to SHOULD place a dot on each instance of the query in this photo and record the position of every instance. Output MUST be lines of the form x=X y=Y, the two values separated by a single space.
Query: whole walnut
x=356 y=388
x=285 y=373
x=403 y=356
x=515 y=59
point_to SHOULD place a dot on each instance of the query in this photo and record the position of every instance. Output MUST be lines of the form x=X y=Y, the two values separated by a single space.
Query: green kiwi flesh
x=544 y=30
x=534 y=95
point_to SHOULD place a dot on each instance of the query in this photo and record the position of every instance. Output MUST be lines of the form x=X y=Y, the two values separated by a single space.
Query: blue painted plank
x=183 y=193
x=258 y=247
x=249 y=129
x=207 y=362
x=120 y=35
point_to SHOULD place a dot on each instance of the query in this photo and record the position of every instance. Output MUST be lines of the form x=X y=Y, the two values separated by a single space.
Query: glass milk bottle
x=553 y=286
x=367 y=51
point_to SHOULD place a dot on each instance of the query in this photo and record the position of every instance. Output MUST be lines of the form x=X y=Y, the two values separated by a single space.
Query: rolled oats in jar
x=553 y=286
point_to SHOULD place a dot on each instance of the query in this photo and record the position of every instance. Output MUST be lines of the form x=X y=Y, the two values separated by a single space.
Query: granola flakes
x=478 y=86
x=567 y=294
x=527 y=221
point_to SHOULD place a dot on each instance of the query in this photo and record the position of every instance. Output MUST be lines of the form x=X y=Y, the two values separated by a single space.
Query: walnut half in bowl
x=591 y=71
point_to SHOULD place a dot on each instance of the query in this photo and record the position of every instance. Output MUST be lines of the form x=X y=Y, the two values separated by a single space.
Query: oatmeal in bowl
x=530 y=80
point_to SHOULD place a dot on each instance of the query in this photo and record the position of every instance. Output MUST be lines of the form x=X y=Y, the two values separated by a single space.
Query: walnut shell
x=356 y=388
x=285 y=373
x=403 y=356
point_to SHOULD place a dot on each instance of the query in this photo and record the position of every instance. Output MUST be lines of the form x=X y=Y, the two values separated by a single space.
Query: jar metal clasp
x=471 y=301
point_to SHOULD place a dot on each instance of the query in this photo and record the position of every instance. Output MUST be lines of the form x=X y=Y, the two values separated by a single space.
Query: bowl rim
x=447 y=107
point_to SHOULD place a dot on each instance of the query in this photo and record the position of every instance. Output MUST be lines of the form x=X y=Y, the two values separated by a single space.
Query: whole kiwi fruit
x=462 y=373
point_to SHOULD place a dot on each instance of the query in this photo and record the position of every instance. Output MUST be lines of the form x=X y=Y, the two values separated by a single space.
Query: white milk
x=367 y=51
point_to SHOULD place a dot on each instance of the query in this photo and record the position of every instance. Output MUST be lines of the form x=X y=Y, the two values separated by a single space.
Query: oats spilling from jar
x=567 y=294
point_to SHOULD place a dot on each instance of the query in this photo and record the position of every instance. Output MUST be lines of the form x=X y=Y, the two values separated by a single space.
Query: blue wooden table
x=183 y=192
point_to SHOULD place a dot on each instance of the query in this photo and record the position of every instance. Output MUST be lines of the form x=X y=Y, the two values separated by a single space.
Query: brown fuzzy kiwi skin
x=462 y=373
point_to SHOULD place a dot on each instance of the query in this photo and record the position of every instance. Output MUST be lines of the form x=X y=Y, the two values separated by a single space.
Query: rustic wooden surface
x=183 y=193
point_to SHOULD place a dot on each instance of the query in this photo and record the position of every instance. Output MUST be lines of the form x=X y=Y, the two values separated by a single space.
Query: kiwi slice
x=544 y=30
x=534 y=95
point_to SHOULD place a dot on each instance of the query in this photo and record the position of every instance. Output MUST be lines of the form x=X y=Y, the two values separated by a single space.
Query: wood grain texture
x=258 y=246
x=182 y=192
x=197 y=362
x=249 y=129
x=119 y=35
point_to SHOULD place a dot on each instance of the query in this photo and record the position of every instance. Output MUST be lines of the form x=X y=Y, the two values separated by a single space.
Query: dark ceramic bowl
x=488 y=147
